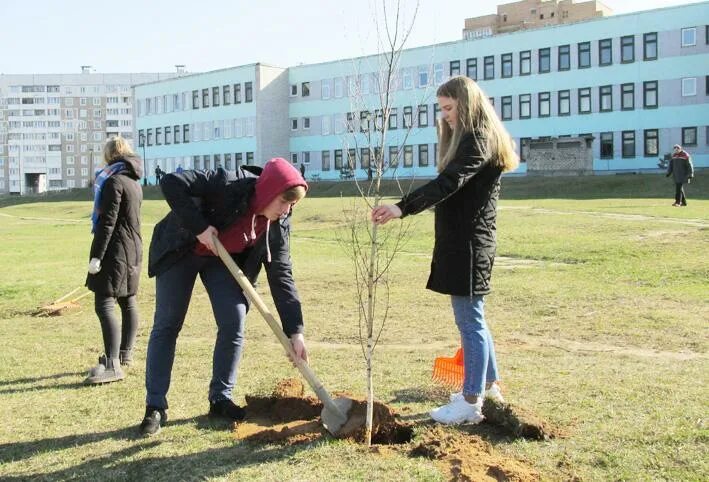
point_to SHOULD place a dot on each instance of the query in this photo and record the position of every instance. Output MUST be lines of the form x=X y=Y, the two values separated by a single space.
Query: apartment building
x=629 y=86
x=53 y=126
x=529 y=14
x=224 y=118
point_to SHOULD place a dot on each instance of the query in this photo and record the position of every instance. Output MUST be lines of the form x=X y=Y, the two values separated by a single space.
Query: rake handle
x=256 y=299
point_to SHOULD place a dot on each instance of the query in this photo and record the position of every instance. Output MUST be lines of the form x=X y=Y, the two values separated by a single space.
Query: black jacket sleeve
x=466 y=164
x=179 y=189
x=280 y=279
x=110 y=205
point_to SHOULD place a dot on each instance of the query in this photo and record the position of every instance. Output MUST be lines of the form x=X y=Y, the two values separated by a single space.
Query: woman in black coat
x=475 y=149
x=116 y=256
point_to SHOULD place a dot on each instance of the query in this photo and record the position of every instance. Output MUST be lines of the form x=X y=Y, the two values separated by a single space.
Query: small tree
x=371 y=248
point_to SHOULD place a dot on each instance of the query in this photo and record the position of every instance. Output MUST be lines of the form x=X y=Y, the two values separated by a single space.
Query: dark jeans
x=679 y=194
x=173 y=293
x=117 y=337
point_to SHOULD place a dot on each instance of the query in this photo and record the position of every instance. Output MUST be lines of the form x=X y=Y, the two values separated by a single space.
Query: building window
x=364 y=157
x=489 y=68
x=185 y=133
x=248 y=96
x=338 y=159
x=325 y=89
x=564 y=57
x=605 y=52
x=141 y=138
x=393 y=120
x=306 y=122
x=584 y=51
x=564 y=102
x=689 y=86
x=506 y=112
x=650 y=94
x=305 y=89
x=393 y=156
x=606 y=145
x=471 y=68
x=628 y=143
x=423 y=76
x=525 y=62
x=205 y=97
x=627 y=97
x=689 y=136
x=237 y=93
x=650 y=46
x=651 y=142
x=423 y=155
x=689 y=37
x=525 y=106
x=454 y=67
x=437 y=73
x=364 y=120
x=325 y=125
x=150 y=138
x=585 y=100
x=215 y=96
x=226 y=95
x=627 y=49
x=158 y=136
x=293 y=90
x=407 y=120
x=408 y=156
x=294 y=157
x=168 y=135
x=506 y=65
x=325 y=160
x=423 y=116
x=294 y=124
x=605 y=98
x=544 y=60
x=176 y=134
x=544 y=101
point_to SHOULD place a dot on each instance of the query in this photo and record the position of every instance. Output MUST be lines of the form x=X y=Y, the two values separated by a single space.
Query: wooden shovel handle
x=256 y=300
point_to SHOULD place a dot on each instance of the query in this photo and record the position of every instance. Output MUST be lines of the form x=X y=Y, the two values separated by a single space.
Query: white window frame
x=325 y=89
x=423 y=76
x=407 y=82
x=325 y=122
x=438 y=73
x=293 y=90
x=688 y=30
x=337 y=87
x=689 y=86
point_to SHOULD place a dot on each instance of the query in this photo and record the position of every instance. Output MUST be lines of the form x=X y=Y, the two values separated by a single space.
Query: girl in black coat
x=116 y=257
x=475 y=149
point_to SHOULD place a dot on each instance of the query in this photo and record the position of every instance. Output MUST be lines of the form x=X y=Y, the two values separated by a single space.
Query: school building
x=604 y=95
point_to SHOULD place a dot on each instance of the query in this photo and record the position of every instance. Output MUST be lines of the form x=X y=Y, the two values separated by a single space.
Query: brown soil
x=519 y=422
x=288 y=418
x=468 y=457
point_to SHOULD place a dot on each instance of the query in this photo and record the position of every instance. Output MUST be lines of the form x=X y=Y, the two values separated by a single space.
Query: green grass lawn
x=599 y=311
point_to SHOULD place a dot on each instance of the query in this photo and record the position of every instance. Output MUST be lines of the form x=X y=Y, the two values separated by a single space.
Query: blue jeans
x=478 y=348
x=173 y=293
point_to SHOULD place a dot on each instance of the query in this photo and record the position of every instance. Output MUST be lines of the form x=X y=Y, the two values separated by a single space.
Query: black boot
x=152 y=421
x=226 y=409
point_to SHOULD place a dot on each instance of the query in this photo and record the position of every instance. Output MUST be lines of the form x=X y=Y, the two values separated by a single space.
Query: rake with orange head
x=449 y=370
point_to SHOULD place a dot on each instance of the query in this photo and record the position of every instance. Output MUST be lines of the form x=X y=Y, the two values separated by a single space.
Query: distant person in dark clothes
x=179 y=169
x=249 y=210
x=158 y=175
x=302 y=170
x=682 y=172
x=116 y=256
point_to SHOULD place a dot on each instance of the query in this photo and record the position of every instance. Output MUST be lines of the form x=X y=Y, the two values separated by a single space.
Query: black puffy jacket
x=465 y=198
x=117 y=241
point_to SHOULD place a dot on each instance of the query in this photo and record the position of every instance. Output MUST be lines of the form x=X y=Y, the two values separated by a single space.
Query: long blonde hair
x=475 y=113
x=115 y=148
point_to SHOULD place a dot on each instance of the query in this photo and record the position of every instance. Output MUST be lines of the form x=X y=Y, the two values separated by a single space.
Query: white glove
x=94 y=265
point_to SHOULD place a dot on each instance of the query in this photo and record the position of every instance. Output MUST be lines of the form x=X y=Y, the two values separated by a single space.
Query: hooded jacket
x=117 y=241
x=680 y=167
x=465 y=197
x=230 y=202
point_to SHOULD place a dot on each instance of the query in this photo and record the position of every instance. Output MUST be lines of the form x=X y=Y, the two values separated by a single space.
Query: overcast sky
x=52 y=36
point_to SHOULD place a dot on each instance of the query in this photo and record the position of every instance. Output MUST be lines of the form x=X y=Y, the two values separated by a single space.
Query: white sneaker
x=458 y=411
x=493 y=393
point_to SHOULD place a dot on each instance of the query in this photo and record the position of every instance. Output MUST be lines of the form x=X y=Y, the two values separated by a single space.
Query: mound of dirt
x=468 y=457
x=519 y=421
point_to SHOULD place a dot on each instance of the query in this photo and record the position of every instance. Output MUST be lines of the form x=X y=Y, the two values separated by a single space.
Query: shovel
x=334 y=413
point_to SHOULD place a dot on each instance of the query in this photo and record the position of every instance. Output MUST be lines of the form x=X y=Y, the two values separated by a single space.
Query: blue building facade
x=636 y=83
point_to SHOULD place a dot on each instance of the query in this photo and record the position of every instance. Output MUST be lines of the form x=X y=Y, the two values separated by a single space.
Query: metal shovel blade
x=332 y=420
